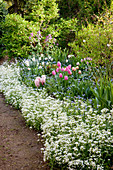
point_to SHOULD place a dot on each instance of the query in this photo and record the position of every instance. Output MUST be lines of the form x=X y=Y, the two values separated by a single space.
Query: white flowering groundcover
x=76 y=137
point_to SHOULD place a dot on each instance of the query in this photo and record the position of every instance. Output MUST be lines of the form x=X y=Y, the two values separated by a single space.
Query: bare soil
x=19 y=145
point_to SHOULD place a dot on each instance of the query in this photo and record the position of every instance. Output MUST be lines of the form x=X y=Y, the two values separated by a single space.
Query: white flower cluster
x=74 y=133
x=40 y=62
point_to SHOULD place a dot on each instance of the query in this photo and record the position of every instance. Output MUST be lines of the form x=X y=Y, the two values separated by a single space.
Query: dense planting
x=76 y=136
x=67 y=93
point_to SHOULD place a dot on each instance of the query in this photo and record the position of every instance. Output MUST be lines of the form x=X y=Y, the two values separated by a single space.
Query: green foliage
x=16 y=33
x=3 y=13
x=95 y=42
x=41 y=11
x=83 y=10
x=103 y=93
x=66 y=29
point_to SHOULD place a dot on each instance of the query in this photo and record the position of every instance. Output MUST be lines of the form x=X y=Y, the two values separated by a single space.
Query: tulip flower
x=79 y=72
x=60 y=75
x=53 y=72
x=59 y=64
x=65 y=77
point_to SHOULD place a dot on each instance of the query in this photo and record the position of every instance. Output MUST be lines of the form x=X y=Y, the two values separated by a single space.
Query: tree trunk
x=15 y=6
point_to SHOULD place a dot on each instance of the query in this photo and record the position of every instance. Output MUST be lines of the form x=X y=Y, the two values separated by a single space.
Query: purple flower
x=32 y=34
x=39 y=33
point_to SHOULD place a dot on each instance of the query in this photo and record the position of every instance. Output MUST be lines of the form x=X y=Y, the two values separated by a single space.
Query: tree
x=16 y=6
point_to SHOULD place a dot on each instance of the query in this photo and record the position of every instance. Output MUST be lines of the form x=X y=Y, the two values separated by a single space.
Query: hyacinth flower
x=49 y=37
x=39 y=36
x=32 y=34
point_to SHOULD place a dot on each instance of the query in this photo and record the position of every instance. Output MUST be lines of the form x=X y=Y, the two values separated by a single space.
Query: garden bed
x=75 y=135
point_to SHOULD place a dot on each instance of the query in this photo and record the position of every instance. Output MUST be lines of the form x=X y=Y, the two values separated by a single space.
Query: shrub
x=16 y=33
x=83 y=10
x=95 y=42
x=43 y=11
x=3 y=13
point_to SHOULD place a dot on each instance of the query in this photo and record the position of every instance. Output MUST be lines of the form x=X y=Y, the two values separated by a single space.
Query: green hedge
x=16 y=32
x=3 y=13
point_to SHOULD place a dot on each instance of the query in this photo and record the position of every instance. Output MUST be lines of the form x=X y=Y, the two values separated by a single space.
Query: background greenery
x=68 y=21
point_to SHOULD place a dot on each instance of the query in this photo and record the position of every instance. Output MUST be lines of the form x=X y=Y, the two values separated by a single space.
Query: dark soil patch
x=20 y=147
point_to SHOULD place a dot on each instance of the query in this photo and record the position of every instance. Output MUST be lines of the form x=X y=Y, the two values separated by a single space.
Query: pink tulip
x=69 y=72
x=62 y=69
x=59 y=64
x=67 y=69
x=69 y=66
x=57 y=70
x=65 y=77
x=77 y=67
x=60 y=75
x=73 y=68
x=44 y=77
x=79 y=72
x=53 y=72
x=42 y=80
x=37 y=82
